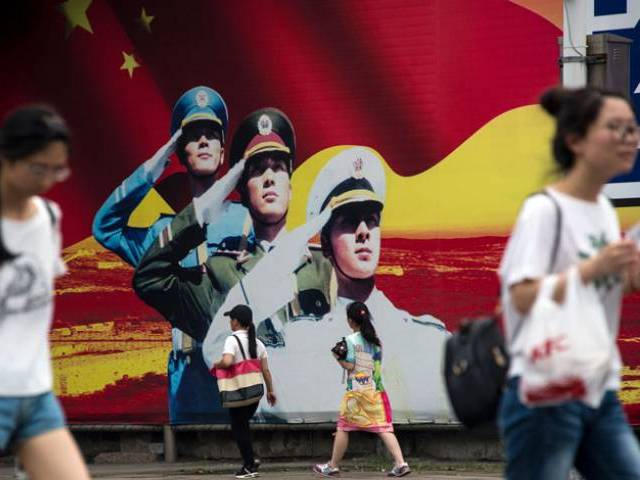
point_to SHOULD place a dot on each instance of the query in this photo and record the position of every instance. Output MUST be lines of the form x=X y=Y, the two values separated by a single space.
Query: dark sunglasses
x=196 y=132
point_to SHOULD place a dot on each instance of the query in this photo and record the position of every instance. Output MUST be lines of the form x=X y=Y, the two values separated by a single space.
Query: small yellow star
x=75 y=12
x=146 y=19
x=129 y=64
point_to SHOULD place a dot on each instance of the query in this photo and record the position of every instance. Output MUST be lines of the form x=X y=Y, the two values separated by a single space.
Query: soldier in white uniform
x=352 y=184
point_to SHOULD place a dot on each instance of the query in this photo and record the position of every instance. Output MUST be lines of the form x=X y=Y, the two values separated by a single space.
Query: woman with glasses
x=34 y=155
x=596 y=138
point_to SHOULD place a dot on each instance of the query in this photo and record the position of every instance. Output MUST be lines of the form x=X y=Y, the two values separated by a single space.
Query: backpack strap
x=244 y=357
x=52 y=215
x=554 y=248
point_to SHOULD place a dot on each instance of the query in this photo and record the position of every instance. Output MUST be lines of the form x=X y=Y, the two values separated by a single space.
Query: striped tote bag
x=242 y=383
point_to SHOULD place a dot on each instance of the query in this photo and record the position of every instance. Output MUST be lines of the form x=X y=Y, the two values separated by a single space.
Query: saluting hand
x=156 y=164
x=170 y=147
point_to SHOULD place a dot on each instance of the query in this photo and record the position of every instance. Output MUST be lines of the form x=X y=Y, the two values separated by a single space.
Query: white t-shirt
x=26 y=301
x=231 y=346
x=586 y=228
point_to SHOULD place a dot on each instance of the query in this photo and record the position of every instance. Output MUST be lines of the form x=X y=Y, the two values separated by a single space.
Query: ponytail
x=246 y=321
x=253 y=347
x=369 y=333
x=360 y=315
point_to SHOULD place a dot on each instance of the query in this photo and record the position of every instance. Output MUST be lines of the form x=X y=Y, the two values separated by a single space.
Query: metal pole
x=170 y=454
x=574 y=44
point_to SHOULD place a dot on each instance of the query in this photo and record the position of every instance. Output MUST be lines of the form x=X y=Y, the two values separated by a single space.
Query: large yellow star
x=146 y=19
x=129 y=64
x=75 y=11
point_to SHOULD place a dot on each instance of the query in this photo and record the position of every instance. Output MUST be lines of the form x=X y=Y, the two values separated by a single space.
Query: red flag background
x=412 y=78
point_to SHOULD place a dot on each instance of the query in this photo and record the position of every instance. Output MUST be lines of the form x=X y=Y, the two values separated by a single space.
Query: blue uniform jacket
x=111 y=230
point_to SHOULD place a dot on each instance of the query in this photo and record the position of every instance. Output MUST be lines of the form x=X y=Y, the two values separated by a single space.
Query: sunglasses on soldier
x=194 y=132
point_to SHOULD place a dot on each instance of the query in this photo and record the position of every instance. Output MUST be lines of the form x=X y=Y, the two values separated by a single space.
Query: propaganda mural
x=293 y=156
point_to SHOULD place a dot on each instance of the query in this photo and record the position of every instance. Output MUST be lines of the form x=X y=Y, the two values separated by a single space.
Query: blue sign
x=609 y=7
x=625 y=190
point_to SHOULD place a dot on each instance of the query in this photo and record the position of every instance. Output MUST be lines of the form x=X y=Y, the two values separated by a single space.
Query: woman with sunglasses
x=34 y=155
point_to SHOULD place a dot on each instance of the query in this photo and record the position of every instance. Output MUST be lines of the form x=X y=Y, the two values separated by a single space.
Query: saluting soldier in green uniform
x=190 y=297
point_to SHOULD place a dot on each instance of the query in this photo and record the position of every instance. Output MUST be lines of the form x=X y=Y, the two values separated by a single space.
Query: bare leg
x=53 y=455
x=391 y=442
x=340 y=443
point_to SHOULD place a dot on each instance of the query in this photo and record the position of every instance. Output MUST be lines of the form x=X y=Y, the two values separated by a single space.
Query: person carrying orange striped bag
x=240 y=379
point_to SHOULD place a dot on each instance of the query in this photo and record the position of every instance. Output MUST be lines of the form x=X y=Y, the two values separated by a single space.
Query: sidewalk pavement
x=282 y=470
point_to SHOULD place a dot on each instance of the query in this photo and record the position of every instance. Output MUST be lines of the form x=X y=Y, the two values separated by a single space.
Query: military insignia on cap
x=202 y=98
x=265 y=125
x=357 y=168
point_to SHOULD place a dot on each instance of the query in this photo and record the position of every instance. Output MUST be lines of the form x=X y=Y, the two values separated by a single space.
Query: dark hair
x=359 y=314
x=5 y=254
x=574 y=110
x=251 y=330
x=28 y=130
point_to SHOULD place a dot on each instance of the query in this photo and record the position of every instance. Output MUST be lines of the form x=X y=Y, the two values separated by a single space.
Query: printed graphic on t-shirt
x=23 y=285
x=605 y=283
x=362 y=377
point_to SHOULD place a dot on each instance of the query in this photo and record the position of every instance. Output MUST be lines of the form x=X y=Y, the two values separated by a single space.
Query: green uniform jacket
x=190 y=297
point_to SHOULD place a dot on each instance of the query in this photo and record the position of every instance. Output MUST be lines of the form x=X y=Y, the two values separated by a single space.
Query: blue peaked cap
x=200 y=103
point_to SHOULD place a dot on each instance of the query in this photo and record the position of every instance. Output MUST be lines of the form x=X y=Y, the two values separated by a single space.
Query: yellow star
x=129 y=64
x=75 y=12
x=146 y=20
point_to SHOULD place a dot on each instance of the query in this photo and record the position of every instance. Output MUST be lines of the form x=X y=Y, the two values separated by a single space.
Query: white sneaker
x=326 y=470
x=399 y=470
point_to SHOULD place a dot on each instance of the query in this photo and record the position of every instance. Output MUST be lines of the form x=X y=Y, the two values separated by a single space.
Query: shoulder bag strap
x=558 y=230
x=554 y=248
x=244 y=357
x=52 y=215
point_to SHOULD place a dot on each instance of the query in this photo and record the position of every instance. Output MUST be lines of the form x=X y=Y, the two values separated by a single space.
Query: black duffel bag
x=475 y=369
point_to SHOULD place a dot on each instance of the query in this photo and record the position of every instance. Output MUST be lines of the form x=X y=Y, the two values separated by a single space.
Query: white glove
x=156 y=164
x=269 y=286
x=209 y=205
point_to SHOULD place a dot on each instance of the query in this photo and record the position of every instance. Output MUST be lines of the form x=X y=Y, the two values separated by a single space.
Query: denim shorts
x=22 y=418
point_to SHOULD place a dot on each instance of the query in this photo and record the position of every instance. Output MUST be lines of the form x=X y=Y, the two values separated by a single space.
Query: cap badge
x=202 y=98
x=357 y=168
x=265 y=125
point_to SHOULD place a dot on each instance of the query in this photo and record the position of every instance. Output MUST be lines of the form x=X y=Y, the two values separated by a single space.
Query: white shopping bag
x=634 y=234
x=567 y=347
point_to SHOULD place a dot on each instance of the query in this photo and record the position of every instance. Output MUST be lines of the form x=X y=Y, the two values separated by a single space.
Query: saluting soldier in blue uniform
x=198 y=131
